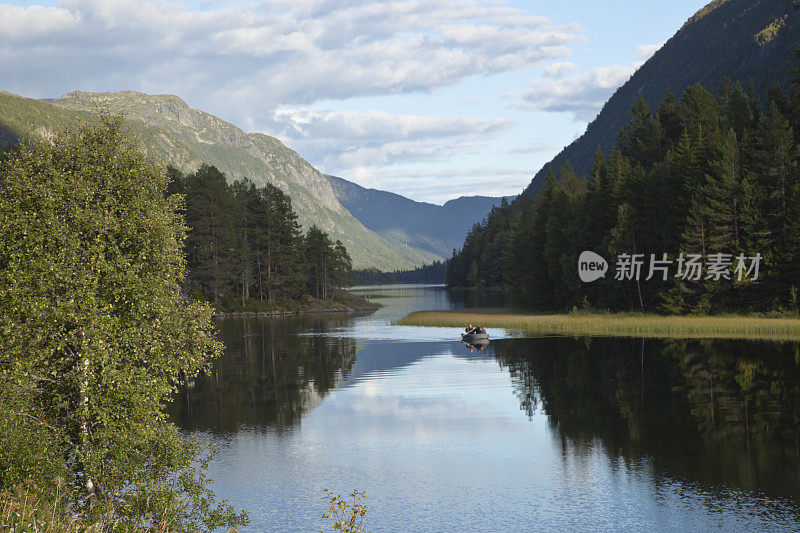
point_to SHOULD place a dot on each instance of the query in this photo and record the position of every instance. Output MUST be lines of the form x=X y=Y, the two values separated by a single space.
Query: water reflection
x=725 y=412
x=710 y=411
x=269 y=377
x=549 y=433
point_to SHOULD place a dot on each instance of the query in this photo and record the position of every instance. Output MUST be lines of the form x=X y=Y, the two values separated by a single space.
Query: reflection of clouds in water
x=401 y=333
x=425 y=398
x=372 y=389
x=431 y=426
x=387 y=332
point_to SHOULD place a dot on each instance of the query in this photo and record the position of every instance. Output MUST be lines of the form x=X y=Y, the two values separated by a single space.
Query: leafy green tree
x=95 y=332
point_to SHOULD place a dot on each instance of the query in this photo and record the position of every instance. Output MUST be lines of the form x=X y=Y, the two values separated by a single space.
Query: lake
x=528 y=434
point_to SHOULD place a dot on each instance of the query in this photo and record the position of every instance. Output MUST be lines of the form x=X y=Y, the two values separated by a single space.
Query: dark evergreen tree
x=709 y=175
x=211 y=243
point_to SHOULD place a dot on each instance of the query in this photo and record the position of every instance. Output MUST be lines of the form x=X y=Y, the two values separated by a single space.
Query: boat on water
x=474 y=337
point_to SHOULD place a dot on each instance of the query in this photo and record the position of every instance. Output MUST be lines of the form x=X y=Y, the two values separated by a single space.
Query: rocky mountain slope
x=172 y=132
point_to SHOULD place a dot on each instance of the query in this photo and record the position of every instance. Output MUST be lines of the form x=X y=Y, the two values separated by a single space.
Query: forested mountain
x=746 y=40
x=172 y=132
x=704 y=196
x=437 y=229
x=710 y=169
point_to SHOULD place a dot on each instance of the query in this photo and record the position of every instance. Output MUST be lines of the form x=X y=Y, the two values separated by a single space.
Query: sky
x=431 y=99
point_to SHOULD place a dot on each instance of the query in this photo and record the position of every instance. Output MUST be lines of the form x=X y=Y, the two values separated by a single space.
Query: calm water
x=526 y=435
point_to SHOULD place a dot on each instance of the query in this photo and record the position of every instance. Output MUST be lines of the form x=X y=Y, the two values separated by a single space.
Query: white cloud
x=583 y=95
x=261 y=65
x=231 y=58
x=28 y=24
x=349 y=142
x=558 y=69
x=646 y=50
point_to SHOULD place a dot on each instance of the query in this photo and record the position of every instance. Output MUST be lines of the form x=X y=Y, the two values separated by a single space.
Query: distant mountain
x=174 y=133
x=751 y=41
x=436 y=229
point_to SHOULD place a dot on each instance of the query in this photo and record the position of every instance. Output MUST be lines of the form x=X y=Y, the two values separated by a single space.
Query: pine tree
x=343 y=265
x=211 y=245
x=640 y=139
x=679 y=172
x=775 y=161
x=725 y=199
x=320 y=263
x=288 y=267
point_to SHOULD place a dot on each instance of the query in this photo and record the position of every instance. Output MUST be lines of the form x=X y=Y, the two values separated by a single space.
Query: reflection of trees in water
x=722 y=411
x=269 y=375
x=480 y=297
x=741 y=389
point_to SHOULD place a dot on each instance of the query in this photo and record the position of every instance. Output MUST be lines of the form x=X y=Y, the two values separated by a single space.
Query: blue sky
x=431 y=99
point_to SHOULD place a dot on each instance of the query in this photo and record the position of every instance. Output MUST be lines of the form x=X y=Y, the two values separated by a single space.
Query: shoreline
x=343 y=302
x=736 y=327
x=264 y=314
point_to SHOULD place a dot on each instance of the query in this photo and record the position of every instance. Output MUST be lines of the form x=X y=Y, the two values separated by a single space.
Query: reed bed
x=616 y=324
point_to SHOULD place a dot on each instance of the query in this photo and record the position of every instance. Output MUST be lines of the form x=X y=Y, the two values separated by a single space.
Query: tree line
x=714 y=175
x=245 y=248
x=432 y=273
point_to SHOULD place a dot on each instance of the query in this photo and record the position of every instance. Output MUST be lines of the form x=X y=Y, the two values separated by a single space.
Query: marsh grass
x=616 y=324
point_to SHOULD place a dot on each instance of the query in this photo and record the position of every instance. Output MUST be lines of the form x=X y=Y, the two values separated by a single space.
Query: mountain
x=712 y=173
x=437 y=229
x=172 y=132
x=751 y=41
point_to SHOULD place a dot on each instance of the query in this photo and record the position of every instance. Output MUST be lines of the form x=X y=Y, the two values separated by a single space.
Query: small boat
x=474 y=337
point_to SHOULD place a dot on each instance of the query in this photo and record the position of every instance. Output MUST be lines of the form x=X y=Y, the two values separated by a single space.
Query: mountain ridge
x=173 y=133
x=437 y=229
x=699 y=52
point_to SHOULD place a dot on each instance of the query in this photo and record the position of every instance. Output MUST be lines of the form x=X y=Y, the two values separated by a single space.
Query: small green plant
x=345 y=516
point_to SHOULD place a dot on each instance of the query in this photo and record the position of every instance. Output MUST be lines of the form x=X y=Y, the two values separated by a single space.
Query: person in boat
x=476 y=329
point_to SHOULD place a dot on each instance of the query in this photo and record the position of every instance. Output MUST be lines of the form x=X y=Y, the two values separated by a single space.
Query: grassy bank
x=615 y=324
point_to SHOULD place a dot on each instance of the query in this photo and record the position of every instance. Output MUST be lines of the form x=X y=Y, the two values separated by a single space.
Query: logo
x=690 y=267
x=591 y=267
